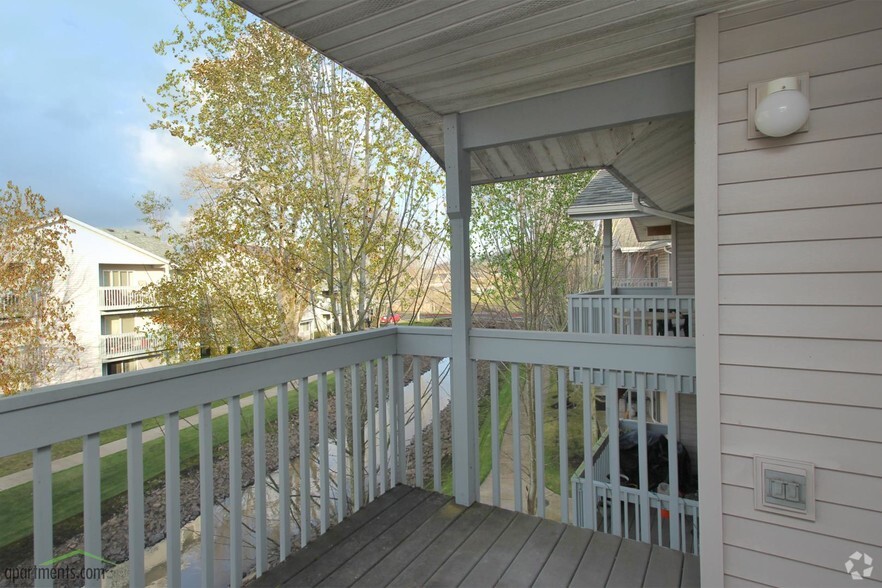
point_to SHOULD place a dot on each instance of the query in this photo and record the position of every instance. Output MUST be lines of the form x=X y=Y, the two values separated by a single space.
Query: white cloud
x=163 y=160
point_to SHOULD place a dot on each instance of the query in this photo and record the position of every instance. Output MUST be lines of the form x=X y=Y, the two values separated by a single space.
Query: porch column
x=607 y=257
x=463 y=397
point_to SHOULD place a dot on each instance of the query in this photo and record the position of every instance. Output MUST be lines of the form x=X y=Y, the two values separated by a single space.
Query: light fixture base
x=756 y=91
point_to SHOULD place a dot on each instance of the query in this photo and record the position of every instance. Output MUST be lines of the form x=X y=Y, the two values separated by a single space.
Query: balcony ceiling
x=427 y=58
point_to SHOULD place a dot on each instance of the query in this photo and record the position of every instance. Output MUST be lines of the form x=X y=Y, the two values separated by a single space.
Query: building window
x=119 y=325
x=116 y=278
x=120 y=367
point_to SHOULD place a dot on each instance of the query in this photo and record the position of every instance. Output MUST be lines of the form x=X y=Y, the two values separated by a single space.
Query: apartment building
x=108 y=267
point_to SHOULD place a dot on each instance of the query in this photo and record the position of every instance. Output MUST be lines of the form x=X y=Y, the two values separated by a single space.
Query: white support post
x=607 y=258
x=459 y=204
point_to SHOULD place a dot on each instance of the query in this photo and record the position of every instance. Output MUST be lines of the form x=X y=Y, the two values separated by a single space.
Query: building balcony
x=127 y=345
x=631 y=313
x=121 y=298
x=350 y=501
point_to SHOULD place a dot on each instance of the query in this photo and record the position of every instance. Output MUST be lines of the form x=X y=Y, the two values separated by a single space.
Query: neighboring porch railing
x=650 y=315
x=121 y=297
x=127 y=344
x=593 y=503
x=373 y=419
x=641 y=282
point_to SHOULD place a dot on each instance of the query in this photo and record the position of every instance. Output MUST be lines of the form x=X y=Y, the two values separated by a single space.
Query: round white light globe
x=782 y=113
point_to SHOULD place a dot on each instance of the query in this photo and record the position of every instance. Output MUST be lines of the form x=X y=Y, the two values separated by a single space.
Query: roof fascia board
x=656 y=94
x=375 y=86
x=580 y=213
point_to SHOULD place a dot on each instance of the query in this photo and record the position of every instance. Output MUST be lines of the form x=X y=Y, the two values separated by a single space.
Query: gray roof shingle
x=141 y=239
x=604 y=188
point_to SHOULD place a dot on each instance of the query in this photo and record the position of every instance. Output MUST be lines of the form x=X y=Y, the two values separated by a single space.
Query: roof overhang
x=542 y=87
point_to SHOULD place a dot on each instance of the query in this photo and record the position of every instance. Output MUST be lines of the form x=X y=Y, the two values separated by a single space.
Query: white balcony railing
x=666 y=316
x=363 y=375
x=121 y=297
x=127 y=344
x=642 y=282
x=593 y=502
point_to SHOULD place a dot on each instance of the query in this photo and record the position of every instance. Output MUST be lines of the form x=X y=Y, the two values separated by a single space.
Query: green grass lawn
x=22 y=461
x=16 y=504
x=575 y=439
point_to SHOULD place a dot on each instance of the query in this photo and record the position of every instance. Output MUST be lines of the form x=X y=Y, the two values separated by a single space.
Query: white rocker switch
x=777 y=489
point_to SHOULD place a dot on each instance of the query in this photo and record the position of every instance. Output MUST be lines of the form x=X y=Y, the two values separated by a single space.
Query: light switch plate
x=784 y=486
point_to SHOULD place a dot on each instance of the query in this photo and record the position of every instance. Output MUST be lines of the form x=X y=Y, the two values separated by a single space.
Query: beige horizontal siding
x=832 y=420
x=731 y=581
x=767 y=570
x=813 y=551
x=853 y=389
x=812 y=224
x=802 y=192
x=801 y=30
x=816 y=322
x=829 y=157
x=823 y=57
x=800 y=277
x=831 y=486
x=849 y=289
x=812 y=354
x=765 y=13
x=802 y=257
x=845 y=455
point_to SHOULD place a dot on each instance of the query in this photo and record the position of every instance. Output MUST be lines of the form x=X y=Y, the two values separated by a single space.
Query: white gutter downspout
x=635 y=201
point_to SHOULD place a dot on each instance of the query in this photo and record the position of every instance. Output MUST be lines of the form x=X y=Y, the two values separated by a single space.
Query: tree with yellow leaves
x=35 y=333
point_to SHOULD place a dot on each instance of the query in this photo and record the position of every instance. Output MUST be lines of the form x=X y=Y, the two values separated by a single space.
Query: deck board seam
x=547 y=557
x=420 y=552
x=414 y=491
x=452 y=551
x=356 y=522
x=407 y=537
x=488 y=548
x=578 y=563
x=615 y=557
x=464 y=539
x=527 y=542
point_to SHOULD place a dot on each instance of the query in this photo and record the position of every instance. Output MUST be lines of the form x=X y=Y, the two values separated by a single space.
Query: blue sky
x=72 y=122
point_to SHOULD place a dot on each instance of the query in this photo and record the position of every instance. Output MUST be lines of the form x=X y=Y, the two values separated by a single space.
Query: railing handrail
x=657 y=355
x=106 y=402
x=629 y=296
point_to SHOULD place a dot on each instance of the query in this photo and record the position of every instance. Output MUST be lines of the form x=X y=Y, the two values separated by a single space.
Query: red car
x=390 y=318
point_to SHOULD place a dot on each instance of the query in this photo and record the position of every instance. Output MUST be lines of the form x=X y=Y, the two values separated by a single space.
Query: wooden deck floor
x=411 y=537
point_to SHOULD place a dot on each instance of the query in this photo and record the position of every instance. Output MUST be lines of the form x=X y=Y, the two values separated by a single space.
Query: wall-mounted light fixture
x=779 y=107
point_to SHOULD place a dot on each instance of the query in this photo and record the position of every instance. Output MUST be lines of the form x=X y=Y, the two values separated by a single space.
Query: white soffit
x=426 y=58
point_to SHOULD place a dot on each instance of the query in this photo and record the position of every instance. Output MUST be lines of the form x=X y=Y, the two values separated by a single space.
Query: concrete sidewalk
x=73 y=460
x=507 y=478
